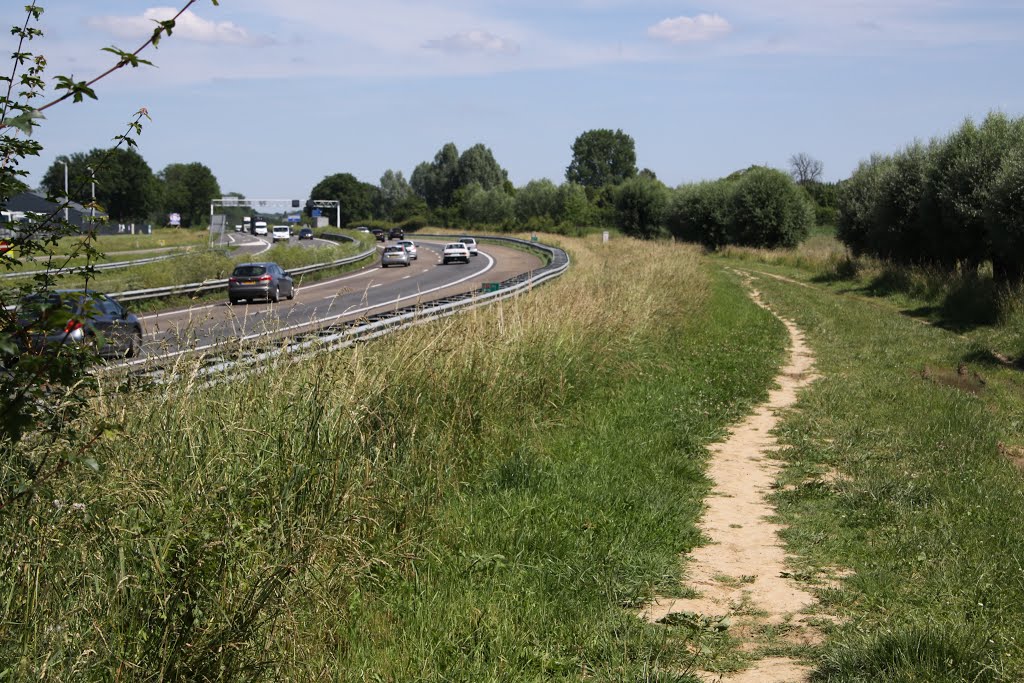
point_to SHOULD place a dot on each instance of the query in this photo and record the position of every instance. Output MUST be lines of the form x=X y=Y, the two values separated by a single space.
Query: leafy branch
x=79 y=90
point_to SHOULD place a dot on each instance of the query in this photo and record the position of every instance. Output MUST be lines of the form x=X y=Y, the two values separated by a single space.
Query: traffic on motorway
x=254 y=301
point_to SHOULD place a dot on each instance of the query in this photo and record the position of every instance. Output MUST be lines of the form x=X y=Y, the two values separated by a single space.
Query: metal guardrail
x=339 y=335
x=214 y=285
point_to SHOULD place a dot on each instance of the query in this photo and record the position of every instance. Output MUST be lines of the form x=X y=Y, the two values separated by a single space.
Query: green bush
x=954 y=202
x=1005 y=218
x=641 y=205
x=700 y=213
x=767 y=209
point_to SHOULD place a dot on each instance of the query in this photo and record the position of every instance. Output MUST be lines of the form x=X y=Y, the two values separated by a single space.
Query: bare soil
x=742 y=572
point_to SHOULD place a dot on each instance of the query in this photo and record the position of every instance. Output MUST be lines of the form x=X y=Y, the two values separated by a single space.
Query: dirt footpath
x=741 y=573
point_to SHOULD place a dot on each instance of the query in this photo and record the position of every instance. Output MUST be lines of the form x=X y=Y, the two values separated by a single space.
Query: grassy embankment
x=482 y=498
x=900 y=466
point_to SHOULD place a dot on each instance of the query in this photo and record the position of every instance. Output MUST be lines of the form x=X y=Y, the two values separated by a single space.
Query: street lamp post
x=92 y=190
x=66 y=198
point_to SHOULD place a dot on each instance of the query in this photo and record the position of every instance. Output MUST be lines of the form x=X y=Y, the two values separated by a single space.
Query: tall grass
x=897 y=472
x=472 y=499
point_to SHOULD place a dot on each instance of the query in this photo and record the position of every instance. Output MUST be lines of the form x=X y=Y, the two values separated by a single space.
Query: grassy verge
x=898 y=471
x=484 y=498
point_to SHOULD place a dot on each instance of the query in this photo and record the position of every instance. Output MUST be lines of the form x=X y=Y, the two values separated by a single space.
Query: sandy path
x=740 y=572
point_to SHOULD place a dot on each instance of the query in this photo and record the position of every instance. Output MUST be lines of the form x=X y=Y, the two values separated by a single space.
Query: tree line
x=956 y=201
x=127 y=189
x=602 y=188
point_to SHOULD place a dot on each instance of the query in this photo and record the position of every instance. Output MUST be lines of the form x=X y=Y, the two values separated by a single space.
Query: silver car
x=260 y=281
x=410 y=247
x=394 y=255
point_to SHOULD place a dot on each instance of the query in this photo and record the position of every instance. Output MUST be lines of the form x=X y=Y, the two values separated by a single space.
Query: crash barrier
x=194 y=288
x=228 y=360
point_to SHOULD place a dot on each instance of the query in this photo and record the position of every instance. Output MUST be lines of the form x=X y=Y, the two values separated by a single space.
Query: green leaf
x=91 y=464
x=26 y=122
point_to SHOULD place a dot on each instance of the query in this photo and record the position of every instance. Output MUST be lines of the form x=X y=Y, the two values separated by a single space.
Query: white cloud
x=474 y=41
x=189 y=26
x=690 y=29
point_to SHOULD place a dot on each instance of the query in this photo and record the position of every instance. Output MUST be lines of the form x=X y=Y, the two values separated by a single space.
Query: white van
x=259 y=228
x=281 y=232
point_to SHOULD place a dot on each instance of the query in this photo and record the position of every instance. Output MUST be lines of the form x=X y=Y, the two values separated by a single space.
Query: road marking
x=326 y=319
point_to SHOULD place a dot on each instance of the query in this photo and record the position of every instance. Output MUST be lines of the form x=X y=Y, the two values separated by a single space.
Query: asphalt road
x=370 y=290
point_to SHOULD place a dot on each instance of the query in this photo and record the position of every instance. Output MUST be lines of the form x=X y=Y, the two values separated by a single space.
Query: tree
x=700 y=213
x=537 y=202
x=355 y=198
x=602 y=157
x=1006 y=219
x=805 y=169
x=126 y=189
x=439 y=180
x=961 y=180
x=574 y=209
x=477 y=165
x=486 y=207
x=187 y=190
x=640 y=205
x=394 y=192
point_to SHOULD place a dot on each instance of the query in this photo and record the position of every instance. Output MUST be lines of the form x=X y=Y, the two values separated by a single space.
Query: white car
x=260 y=228
x=456 y=251
x=470 y=244
x=238 y=227
x=281 y=232
x=410 y=247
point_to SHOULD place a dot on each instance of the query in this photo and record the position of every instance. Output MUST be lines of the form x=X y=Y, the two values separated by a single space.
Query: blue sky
x=273 y=95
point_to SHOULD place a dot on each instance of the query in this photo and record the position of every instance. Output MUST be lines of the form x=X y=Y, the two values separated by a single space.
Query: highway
x=370 y=290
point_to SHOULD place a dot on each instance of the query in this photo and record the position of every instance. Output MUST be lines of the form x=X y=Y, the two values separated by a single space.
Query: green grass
x=490 y=497
x=897 y=473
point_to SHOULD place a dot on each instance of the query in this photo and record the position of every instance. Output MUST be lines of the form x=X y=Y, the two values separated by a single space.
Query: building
x=30 y=204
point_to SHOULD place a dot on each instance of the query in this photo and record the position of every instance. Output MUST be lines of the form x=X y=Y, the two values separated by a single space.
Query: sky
x=275 y=95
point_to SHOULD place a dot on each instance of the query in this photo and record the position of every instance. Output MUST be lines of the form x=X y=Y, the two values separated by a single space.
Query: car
x=238 y=227
x=455 y=251
x=281 y=232
x=410 y=247
x=396 y=234
x=74 y=316
x=362 y=228
x=263 y=280
x=379 y=234
x=306 y=234
x=394 y=255
x=470 y=244
x=259 y=228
